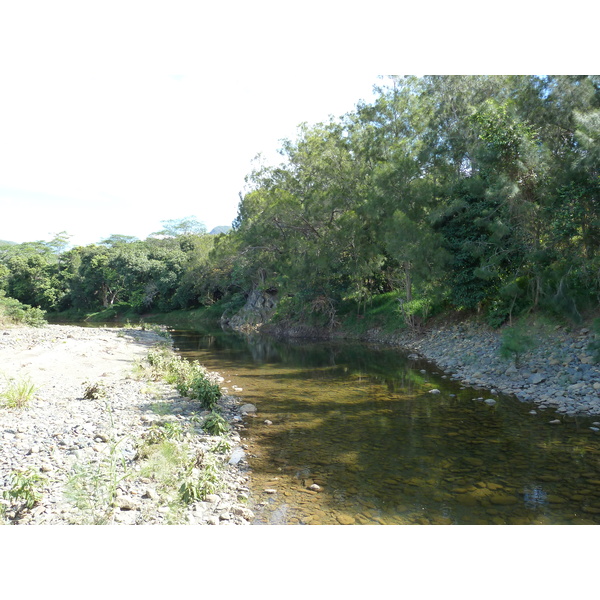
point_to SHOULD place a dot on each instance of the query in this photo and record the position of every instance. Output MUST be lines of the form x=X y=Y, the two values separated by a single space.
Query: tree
x=184 y=226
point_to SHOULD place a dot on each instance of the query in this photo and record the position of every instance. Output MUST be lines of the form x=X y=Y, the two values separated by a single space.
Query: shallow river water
x=361 y=423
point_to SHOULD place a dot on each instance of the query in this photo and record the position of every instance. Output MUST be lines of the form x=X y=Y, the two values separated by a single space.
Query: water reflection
x=357 y=437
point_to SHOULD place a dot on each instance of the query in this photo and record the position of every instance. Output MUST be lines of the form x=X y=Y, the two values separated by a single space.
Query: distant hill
x=6 y=243
x=220 y=229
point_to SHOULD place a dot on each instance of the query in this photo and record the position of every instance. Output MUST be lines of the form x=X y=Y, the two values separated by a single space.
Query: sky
x=115 y=116
x=112 y=121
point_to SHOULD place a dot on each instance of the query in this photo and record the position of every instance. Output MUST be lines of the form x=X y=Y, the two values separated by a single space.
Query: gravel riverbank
x=77 y=440
x=558 y=372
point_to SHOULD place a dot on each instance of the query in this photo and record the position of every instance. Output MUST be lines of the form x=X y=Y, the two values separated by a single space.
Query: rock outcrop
x=257 y=311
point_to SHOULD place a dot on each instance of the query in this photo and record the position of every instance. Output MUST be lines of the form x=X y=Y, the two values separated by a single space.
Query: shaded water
x=360 y=423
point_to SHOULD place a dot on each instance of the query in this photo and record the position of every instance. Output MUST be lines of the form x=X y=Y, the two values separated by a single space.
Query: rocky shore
x=558 y=372
x=73 y=447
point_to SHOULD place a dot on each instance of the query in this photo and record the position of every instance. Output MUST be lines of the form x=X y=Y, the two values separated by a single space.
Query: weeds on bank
x=92 y=487
x=24 y=491
x=159 y=433
x=189 y=378
x=19 y=393
x=181 y=475
x=94 y=391
x=215 y=424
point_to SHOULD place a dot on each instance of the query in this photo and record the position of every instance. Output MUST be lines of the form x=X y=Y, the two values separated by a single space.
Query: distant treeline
x=446 y=192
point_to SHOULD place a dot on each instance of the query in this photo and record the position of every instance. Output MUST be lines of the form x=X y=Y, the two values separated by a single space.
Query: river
x=352 y=434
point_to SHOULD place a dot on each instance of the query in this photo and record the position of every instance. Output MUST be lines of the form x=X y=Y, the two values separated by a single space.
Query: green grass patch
x=18 y=393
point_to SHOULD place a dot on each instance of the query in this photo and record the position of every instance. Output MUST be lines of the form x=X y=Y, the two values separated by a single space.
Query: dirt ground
x=66 y=356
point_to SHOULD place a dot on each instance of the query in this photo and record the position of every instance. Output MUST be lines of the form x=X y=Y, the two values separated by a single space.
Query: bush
x=215 y=424
x=514 y=343
x=25 y=487
x=14 y=312
x=189 y=378
x=206 y=392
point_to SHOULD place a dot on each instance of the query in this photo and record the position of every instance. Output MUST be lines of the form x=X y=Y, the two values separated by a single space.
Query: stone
x=536 y=378
x=127 y=503
x=236 y=456
x=270 y=491
x=473 y=461
x=554 y=499
x=346 y=520
x=503 y=499
x=490 y=402
x=434 y=391
x=466 y=499
x=248 y=408
x=151 y=493
x=245 y=513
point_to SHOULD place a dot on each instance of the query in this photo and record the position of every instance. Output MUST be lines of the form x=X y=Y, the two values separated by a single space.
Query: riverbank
x=81 y=421
x=558 y=372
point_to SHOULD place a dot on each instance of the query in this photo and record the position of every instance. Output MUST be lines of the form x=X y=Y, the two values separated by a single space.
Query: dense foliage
x=446 y=192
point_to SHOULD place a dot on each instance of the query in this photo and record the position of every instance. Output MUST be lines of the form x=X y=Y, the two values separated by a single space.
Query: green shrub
x=206 y=392
x=215 y=424
x=515 y=342
x=25 y=488
x=15 y=313
x=199 y=481
x=189 y=378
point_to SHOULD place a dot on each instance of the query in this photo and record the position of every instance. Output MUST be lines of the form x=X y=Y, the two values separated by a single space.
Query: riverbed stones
x=346 y=520
x=558 y=370
x=59 y=433
x=501 y=499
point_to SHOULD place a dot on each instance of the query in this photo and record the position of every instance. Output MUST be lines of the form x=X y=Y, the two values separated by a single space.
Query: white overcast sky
x=117 y=115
